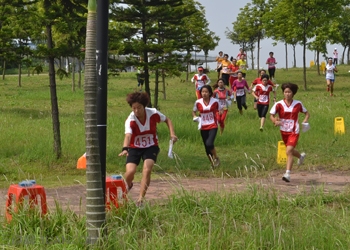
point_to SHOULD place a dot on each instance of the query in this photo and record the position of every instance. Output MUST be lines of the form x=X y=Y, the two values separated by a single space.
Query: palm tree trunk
x=95 y=205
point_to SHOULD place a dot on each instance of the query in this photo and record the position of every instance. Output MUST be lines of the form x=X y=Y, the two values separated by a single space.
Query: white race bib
x=287 y=125
x=240 y=92
x=207 y=118
x=263 y=98
x=144 y=141
x=222 y=103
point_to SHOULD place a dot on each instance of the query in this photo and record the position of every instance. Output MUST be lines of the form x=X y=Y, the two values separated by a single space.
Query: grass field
x=256 y=219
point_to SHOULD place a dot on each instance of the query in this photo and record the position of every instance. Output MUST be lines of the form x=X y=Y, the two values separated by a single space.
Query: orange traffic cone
x=81 y=164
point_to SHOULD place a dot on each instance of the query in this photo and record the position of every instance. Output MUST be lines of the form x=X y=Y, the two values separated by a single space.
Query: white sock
x=288 y=172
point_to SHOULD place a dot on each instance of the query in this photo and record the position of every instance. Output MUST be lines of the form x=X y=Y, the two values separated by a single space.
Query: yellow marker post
x=323 y=66
x=339 y=127
x=312 y=63
x=281 y=153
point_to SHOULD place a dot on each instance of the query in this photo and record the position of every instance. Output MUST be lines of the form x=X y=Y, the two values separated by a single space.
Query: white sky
x=220 y=15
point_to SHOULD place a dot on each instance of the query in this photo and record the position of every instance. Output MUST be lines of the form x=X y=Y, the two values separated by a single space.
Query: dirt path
x=74 y=196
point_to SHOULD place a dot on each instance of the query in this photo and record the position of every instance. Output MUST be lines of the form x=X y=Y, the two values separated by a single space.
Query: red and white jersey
x=263 y=92
x=221 y=95
x=288 y=115
x=144 y=135
x=200 y=80
x=207 y=112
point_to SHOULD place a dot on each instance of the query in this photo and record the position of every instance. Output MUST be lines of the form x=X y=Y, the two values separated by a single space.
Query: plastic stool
x=17 y=193
x=115 y=191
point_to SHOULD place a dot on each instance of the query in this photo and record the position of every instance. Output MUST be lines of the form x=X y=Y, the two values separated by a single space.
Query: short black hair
x=210 y=90
x=292 y=86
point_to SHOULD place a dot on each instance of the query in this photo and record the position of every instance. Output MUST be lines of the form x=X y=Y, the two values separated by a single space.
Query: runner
x=141 y=140
x=238 y=88
x=262 y=94
x=240 y=53
x=233 y=69
x=271 y=61
x=219 y=59
x=225 y=71
x=200 y=80
x=258 y=80
x=224 y=97
x=288 y=111
x=330 y=76
x=243 y=66
x=207 y=107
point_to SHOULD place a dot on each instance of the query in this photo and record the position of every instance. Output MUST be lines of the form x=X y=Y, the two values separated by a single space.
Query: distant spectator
x=335 y=56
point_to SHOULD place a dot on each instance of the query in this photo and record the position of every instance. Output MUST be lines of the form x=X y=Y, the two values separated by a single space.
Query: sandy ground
x=74 y=197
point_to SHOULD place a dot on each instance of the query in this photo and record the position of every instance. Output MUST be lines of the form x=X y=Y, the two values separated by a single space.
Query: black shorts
x=219 y=69
x=135 y=154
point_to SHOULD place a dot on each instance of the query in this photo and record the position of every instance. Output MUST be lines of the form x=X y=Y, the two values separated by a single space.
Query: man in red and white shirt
x=141 y=140
x=200 y=80
x=288 y=111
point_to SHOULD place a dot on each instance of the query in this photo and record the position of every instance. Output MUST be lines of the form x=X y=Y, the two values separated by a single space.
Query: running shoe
x=286 y=177
x=216 y=162
x=301 y=159
x=261 y=129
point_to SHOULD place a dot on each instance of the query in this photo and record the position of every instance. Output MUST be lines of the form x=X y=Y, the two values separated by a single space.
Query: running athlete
x=262 y=95
x=200 y=80
x=141 y=140
x=233 y=69
x=224 y=97
x=258 y=80
x=288 y=112
x=238 y=88
x=218 y=60
x=207 y=107
x=225 y=71
x=330 y=76
x=242 y=64
x=271 y=62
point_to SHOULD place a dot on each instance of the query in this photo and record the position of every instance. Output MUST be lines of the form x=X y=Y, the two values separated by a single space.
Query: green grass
x=252 y=219
x=26 y=144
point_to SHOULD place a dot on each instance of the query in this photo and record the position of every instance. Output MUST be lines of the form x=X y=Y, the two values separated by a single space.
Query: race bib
x=224 y=69
x=207 y=118
x=240 y=92
x=222 y=103
x=263 y=98
x=287 y=125
x=144 y=141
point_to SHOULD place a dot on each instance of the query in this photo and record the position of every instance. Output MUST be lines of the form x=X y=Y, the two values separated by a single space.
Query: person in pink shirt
x=271 y=62
x=238 y=87
x=262 y=95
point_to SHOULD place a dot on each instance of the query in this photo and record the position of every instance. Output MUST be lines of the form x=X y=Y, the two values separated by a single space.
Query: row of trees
x=312 y=24
x=162 y=33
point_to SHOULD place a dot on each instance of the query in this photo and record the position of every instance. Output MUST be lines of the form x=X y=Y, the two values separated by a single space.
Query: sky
x=222 y=13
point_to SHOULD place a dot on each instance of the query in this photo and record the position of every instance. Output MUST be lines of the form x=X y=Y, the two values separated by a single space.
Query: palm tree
x=95 y=205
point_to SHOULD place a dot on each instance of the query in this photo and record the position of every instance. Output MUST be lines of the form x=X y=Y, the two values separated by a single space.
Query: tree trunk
x=95 y=202
x=258 y=59
x=19 y=75
x=286 y=51
x=343 y=56
x=145 y=59
x=318 y=62
x=304 y=60
x=53 y=94
x=79 y=75
x=156 y=89
x=294 y=57
x=73 y=74
x=3 y=70
x=348 y=62
x=163 y=81
x=252 y=56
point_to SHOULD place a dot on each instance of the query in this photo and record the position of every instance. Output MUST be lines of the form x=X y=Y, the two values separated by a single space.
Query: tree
x=95 y=205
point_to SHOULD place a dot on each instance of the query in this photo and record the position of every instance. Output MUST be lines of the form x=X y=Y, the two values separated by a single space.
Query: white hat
x=335 y=49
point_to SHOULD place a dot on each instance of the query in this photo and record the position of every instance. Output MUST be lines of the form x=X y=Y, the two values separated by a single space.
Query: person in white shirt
x=330 y=76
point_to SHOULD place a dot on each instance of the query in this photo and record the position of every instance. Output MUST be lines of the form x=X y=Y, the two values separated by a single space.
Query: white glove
x=305 y=126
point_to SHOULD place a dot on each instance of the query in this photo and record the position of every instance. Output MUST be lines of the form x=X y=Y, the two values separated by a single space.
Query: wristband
x=125 y=148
